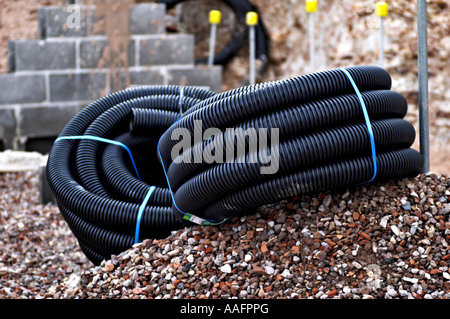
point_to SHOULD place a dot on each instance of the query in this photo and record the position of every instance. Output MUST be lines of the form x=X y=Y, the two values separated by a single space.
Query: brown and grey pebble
x=364 y=242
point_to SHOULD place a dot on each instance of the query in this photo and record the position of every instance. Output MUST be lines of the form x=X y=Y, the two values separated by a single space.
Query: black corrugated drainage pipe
x=132 y=185
x=98 y=189
x=323 y=141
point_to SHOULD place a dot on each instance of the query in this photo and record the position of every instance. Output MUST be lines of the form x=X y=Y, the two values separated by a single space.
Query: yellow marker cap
x=252 y=18
x=381 y=9
x=311 y=6
x=215 y=16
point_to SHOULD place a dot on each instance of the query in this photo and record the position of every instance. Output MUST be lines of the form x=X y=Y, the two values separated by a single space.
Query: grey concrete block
x=77 y=87
x=42 y=28
x=145 y=18
x=56 y=18
x=31 y=55
x=198 y=76
x=146 y=77
x=92 y=54
x=138 y=78
x=7 y=126
x=16 y=89
x=45 y=120
x=148 y=18
x=167 y=49
x=45 y=192
x=11 y=56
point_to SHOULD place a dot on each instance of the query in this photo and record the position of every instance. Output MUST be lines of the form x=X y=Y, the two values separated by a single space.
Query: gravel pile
x=378 y=241
x=37 y=249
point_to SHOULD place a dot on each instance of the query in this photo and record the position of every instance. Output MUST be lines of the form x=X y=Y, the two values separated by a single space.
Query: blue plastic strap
x=186 y=216
x=367 y=119
x=141 y=211
x=150 y=191
x=100 y=139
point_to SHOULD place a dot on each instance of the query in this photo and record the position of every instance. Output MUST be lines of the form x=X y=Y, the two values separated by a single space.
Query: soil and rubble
x=376 y=241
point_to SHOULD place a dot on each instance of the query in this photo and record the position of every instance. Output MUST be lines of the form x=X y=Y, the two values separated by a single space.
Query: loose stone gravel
x=37 y=251
x=379 y=241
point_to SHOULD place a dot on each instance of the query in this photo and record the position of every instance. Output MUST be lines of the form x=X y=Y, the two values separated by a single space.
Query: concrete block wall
x=54 y=77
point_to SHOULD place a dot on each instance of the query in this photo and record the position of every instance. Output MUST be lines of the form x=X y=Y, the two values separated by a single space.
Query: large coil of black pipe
x=323 y=142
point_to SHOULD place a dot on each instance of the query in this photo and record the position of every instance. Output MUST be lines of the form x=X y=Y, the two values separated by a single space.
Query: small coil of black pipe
x=324 y=144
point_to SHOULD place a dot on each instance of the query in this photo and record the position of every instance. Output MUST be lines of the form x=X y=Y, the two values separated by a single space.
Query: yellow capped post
x=215 y=16
x=252 y=18
x=311 y=6
x=381 y=9
x=214 y=19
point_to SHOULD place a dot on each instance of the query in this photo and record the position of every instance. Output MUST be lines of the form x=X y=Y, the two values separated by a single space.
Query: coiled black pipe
x=310 y=117
x=323 y=144
x=95 y=184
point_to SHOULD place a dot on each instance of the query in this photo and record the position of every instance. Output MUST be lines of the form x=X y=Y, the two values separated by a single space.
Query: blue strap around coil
x=141 y=211
x=151 y=189
x=101 y=139
x=367 y=119
x=170 y=188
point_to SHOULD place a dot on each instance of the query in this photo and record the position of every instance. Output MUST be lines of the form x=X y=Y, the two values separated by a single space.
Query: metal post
x=252 y=55
x=212 y=44
x=382 y=11
x=214 y=19
x=311 y=42
x=422 y=61
x=311 y=8
x=381 y=54
x=252 y=21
